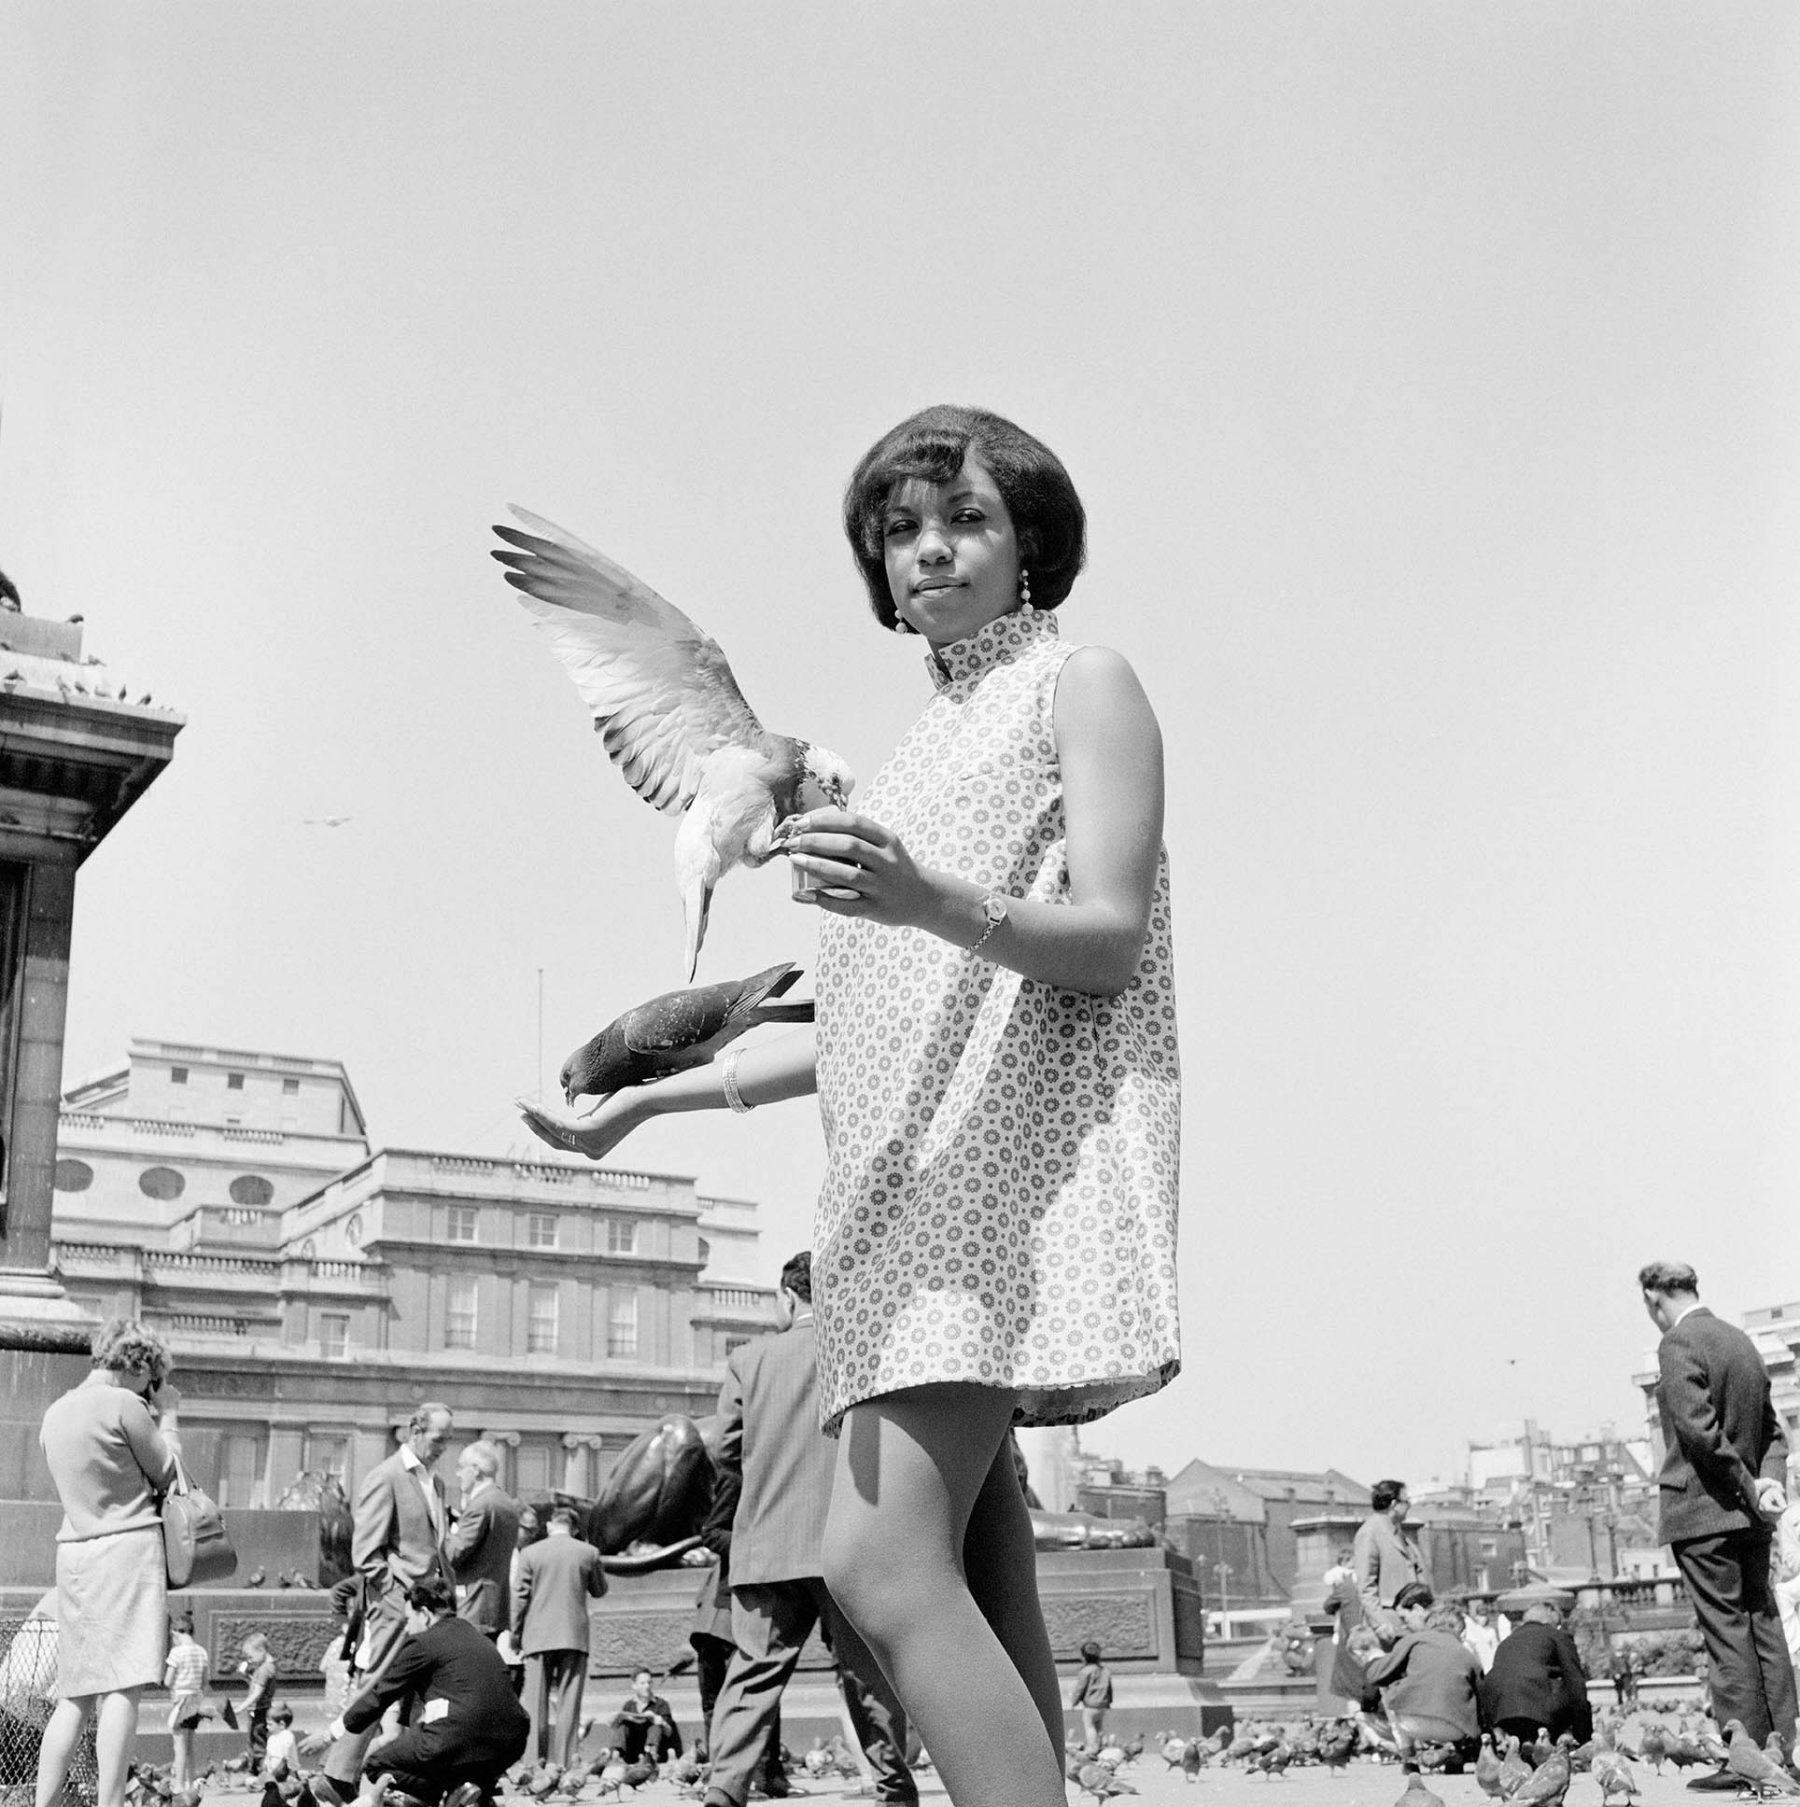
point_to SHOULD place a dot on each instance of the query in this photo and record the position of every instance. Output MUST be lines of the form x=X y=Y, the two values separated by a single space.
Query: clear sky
x=1428 y=370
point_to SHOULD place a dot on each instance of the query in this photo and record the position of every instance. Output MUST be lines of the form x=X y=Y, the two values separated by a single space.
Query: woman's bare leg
x=62 y=1729
x=1000 y=1559
x=913 y=1470
x=113 y=1739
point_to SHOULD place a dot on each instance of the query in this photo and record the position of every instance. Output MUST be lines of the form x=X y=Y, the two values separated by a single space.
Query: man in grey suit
x=397 y=1539
x=769 y=1504
x=1386 y=1558
x=1721 y=1486
x=481 y=1543
x=556 y=1579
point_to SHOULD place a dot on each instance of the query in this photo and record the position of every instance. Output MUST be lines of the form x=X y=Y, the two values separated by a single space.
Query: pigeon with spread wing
x=670 y=713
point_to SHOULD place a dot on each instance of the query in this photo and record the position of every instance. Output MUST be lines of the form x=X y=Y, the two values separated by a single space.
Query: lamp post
x=1223 y=1571
x=1219 y=1508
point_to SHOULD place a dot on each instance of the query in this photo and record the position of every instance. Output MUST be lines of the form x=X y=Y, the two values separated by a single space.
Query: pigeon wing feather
x=660 y=689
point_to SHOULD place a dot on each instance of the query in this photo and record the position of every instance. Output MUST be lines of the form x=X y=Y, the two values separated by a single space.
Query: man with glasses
x=1386 y=1557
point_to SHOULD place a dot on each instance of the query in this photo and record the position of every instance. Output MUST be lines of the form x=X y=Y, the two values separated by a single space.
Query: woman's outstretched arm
x=1110 y=749
x=783 y=1068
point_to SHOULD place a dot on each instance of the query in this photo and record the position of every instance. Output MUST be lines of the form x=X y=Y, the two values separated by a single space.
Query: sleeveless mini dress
x=1001 y=1190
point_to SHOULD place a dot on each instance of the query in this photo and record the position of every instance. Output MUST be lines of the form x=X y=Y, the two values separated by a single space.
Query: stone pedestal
x=30 y=1378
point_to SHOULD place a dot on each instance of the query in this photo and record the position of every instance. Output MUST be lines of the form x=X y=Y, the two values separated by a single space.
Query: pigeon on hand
x=670 y=712
x=678 y=1030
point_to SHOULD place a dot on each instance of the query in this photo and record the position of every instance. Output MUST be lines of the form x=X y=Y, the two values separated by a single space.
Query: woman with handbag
x=110 y=1464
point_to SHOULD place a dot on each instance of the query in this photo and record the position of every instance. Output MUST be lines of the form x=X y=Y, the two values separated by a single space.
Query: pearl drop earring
x=1024 y=588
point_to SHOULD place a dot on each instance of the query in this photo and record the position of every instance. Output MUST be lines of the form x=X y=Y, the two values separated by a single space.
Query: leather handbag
x=196 y=1547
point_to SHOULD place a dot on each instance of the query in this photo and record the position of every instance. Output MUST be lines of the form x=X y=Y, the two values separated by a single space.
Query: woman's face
x=952 y=555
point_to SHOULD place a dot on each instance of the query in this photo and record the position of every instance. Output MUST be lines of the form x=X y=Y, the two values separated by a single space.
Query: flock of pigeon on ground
x=1538 y=1775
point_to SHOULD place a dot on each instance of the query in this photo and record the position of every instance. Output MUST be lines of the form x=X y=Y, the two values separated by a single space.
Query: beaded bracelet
x=728 y=1071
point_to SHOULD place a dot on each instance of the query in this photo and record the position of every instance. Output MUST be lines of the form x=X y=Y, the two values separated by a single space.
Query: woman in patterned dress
x=997 y=1069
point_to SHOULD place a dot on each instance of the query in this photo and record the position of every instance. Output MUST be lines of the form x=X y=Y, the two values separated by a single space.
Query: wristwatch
x=993 y=908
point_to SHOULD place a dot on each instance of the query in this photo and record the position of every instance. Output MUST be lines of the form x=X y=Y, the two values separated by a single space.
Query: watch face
x=993 y=907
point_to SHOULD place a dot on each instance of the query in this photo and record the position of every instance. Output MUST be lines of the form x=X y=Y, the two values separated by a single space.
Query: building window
x=459 y=1321
x=334 y=1335
x=461 y=1225
x=540 y=1230
x=234 y=1082
x=178 y=1076
x=290 y=1087
x=251 y=1189
x=621 y=1236
x=72 y=1176
x=533 y=1470
x=622 y=1326
x=540 y=1333
x=328 y=1453
x=162 y=1183
x=239 y=1468
x=1490 y=1548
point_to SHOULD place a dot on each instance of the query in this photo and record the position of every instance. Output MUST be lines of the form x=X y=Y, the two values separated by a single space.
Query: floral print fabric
x=1001 y=1195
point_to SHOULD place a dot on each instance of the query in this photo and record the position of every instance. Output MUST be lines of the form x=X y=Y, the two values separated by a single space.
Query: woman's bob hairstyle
x=932 y=446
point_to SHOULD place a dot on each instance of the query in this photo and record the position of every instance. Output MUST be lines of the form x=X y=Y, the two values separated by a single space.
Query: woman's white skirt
x=112 y=1611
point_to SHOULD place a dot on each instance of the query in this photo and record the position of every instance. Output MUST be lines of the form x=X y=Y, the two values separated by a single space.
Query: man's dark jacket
x=1719 y=1429
x=1537 y=1676
x=449 y=1661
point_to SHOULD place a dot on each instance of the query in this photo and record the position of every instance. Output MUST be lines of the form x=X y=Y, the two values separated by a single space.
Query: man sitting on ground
x=1426 y=1684
x=644 y=1728
x=466 y=1728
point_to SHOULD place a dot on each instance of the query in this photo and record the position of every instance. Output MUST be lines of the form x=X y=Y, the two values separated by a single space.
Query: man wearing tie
x=401 y=1520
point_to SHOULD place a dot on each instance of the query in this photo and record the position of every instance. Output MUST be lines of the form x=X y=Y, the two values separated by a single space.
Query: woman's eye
x=896 y=528
x=970 y=514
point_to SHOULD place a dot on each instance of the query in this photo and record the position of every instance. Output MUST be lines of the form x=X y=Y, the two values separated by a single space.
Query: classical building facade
x=315 y=1287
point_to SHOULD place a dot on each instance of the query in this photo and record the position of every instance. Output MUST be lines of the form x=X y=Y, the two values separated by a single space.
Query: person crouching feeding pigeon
x=996 y=1061
x=469 y=1729
x=1426 y=1685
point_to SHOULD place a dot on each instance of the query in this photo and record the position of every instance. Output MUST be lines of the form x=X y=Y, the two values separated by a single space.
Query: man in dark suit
x=1721 y=1486
x=769 y=1504
x=481 y=1543
x=397 y=1540
x=557 y=1578
x=466 y=1729
x=1537 y=1682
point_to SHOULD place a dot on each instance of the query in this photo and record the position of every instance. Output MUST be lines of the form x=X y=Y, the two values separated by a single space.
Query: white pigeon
x=670 y=712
